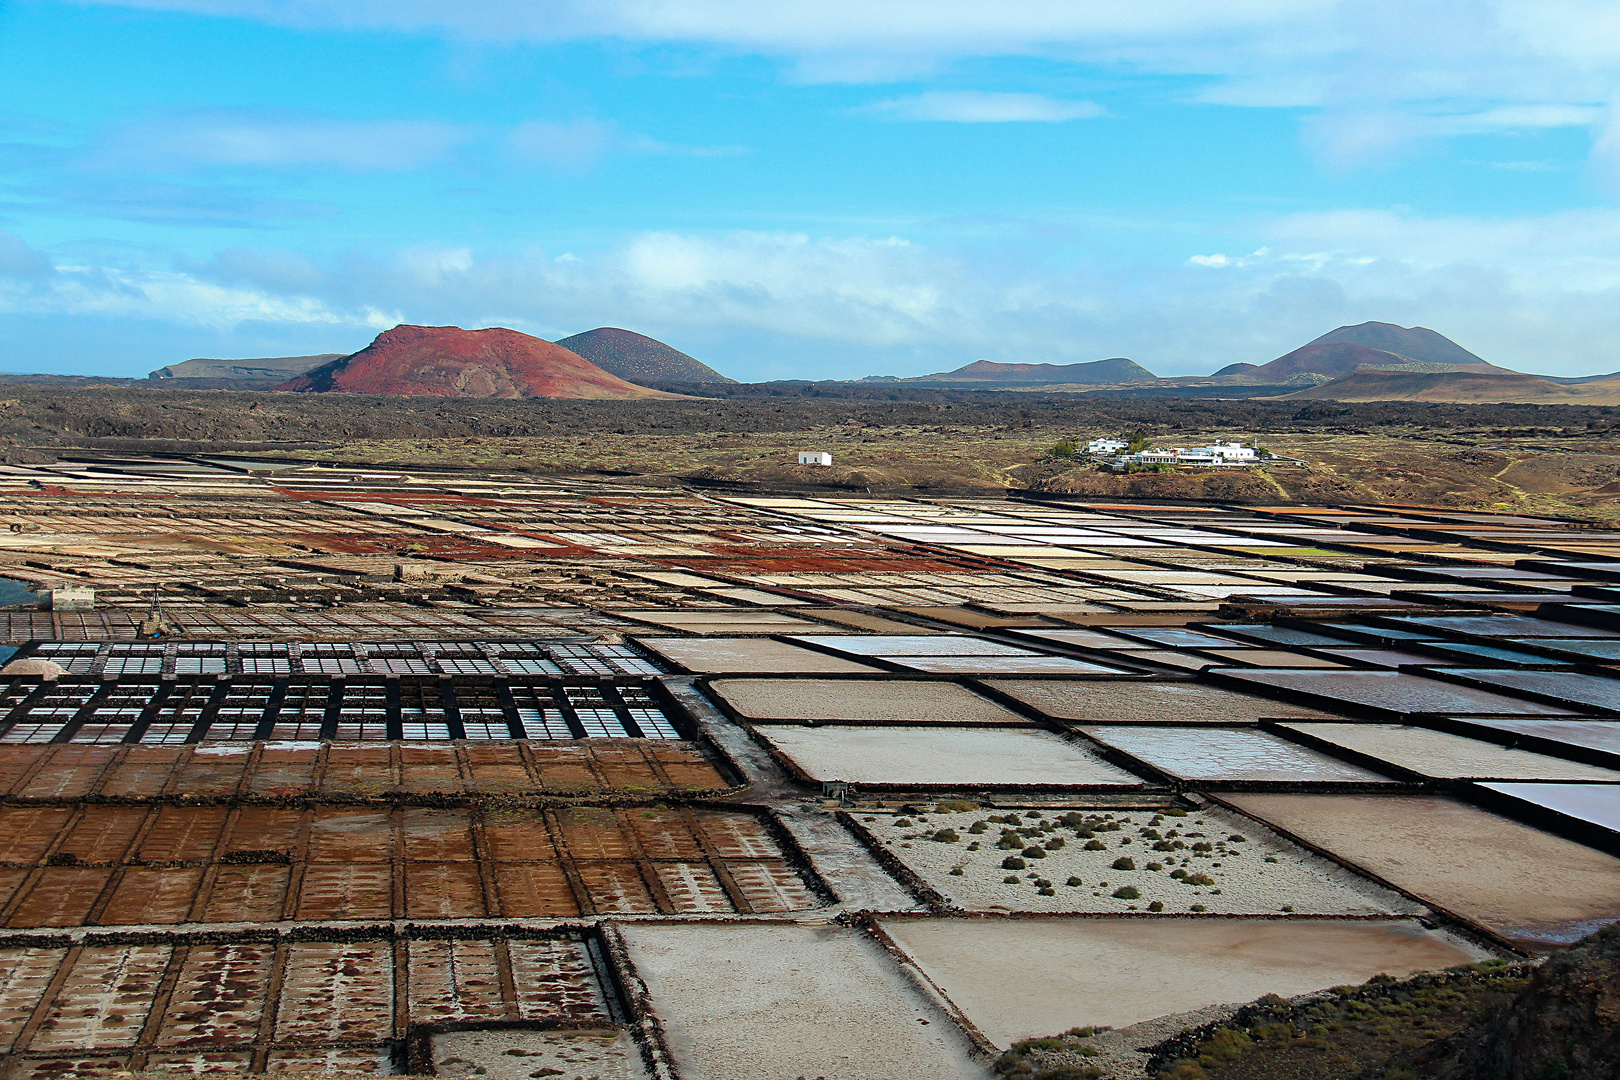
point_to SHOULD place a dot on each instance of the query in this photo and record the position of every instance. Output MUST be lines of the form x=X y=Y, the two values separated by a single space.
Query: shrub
x=1198 y=907
x=1054 y=844
x=1238 y=838
x=1033 y=852
x=1149 y=834
x=956 y=871
x=973 y=846
x=1203 y=846
x=1096 y=845
x=1042 y=883
x=1124 y=862
x=1155 y=866
x=1009 y=880
x=1072 y=820
x=1032 y=814
x=1127 y=892
x=956 y=806
x=1173 y=812
x=1157 y=905
x=1013 y=862
x=1064 y=448
x=1198 y=879
x=1010 y=841
x=902 y=823
x=945 y=836
x=1178 y=873
x=1047 y=891
x=978 y=827
x=1074 y=882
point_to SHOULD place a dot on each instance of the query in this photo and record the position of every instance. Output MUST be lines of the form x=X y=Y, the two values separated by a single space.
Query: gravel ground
x=1262 y=874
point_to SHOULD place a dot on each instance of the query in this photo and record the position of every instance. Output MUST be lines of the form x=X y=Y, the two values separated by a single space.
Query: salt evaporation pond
x=1003 y=665
x=742 y=1001
x=934 y=756
x=761 y=655
x=1597 y=804
x=1440 y=755
x=1148 y=702
x=1600 y=735
x=1393 y=691
x=1595 y=650
x=909 y=645
x=1218 y=754
x=1531 y=887
x=1593 y=690
x=878 y=701
x=1030 y=977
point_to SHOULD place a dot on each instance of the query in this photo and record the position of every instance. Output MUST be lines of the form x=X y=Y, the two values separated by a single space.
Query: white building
x=1105 y=446
x=814 y=457
x=1230 y=451
x=73 y=598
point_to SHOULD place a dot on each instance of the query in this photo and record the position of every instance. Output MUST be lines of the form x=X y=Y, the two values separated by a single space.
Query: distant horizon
x=808 y=192
x=855 y=378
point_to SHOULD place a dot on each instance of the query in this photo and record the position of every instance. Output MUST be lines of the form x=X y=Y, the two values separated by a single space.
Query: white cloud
x=975 y=107
x=200 y=140
x=1378 y=74
x=1534 y=293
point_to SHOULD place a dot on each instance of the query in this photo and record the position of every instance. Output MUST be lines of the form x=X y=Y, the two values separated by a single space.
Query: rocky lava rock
x=1564 y=1026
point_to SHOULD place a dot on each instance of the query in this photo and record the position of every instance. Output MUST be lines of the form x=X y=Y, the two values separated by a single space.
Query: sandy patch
x=1018 y=979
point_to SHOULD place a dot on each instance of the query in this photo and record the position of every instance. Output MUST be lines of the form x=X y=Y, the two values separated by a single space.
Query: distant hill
x=638 y=358
x=1496 y=385
x=989 y=373
x=278 y=368
x=447 y=361
x=1370 y=344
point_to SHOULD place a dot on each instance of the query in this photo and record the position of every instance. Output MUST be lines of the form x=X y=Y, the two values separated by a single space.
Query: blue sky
x=809 y=191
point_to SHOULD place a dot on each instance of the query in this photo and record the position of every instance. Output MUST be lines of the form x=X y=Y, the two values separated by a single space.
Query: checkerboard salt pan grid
x=177 y=710
x=121 y=659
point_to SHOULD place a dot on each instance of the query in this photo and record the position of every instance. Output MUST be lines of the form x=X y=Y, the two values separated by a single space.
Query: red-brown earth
x=447 y=361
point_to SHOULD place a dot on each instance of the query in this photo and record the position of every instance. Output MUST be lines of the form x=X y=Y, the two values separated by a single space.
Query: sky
x=810 y=191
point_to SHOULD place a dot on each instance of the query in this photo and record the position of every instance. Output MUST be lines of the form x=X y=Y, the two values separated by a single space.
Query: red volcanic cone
x=447 y=361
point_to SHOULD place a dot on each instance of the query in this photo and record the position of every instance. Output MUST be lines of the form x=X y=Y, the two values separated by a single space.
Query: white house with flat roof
x=814 y=457
x=1105 y=446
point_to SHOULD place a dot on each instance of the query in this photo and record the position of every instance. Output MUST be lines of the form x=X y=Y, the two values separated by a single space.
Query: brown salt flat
x=1144 y=702
x=1018 y=979
x=746 y=1002
x=763 y=655
x=860 y=699
x=1531 y=887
